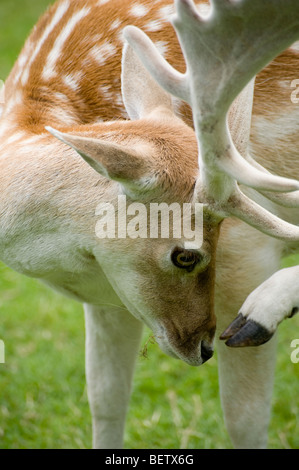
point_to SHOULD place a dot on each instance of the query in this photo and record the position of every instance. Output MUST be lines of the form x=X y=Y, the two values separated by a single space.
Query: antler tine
x=185 y=11
x=283 y=199
x=233 y=164
x=253 y=214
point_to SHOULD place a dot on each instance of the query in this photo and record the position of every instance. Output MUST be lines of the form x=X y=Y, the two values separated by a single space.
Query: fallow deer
x=67 y=145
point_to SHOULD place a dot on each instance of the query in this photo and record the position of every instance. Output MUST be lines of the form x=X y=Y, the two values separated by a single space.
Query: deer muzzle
x=193 y=348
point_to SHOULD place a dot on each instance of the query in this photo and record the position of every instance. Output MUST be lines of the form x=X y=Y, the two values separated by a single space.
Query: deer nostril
x=206 y=352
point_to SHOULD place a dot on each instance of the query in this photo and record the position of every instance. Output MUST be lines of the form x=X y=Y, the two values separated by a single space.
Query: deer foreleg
x=112 y=342
x=274 y=300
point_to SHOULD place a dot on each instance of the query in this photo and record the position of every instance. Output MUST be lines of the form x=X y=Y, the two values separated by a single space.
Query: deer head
x=156 y=158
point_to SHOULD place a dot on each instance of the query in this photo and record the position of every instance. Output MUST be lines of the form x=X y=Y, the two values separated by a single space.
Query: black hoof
x=242 y=332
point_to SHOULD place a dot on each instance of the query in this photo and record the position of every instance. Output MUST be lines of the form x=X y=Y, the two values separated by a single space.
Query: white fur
x=103 y=52
x=273 y=300
x=102 y=2
x=162 y=47
x=164 y=13
x=138 y=10
x=110 y=355
x=115 y=25
x=295 y=46
x=60 y=12
x=154 y=25
x=72 y=82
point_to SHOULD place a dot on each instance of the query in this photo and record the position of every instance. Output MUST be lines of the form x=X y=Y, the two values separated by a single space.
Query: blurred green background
x=42 y=384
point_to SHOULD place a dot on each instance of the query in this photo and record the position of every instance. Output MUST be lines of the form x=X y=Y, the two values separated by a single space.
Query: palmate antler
x=223 y=53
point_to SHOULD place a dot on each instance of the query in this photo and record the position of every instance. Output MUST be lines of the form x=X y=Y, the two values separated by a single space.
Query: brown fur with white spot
x=49 y=195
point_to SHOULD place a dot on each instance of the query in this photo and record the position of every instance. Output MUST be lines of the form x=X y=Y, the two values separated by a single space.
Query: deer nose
x=194 y=355
x=206 y=352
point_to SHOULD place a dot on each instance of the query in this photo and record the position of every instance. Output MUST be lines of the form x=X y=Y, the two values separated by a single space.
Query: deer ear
x=141 y=94
x=111 y=160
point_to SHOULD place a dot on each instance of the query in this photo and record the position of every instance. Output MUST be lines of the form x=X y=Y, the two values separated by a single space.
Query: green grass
x=17 y=17
x=42 y=383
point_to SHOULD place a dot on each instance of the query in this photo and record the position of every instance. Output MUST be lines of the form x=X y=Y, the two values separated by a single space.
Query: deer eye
x=185 y=259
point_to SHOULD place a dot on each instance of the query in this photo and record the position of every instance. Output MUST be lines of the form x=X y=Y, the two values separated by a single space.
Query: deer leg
x=246 y=383
x=112 y=342
x=268 y=305
x=245 y=374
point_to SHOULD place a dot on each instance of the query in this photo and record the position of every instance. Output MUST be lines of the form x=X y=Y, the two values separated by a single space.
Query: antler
x=223 y=53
